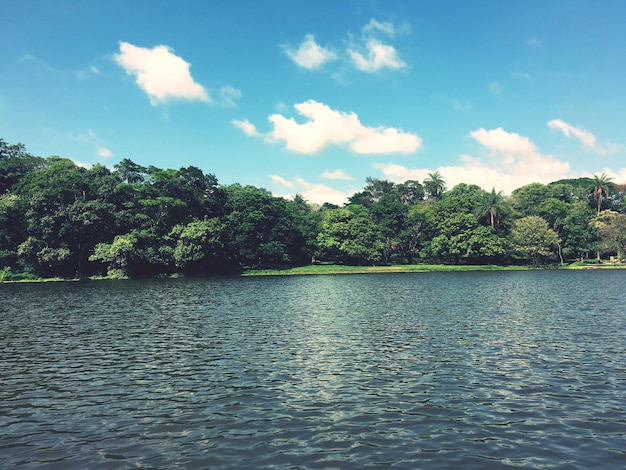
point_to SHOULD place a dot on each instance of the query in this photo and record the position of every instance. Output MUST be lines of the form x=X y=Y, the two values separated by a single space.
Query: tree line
x=61 y=219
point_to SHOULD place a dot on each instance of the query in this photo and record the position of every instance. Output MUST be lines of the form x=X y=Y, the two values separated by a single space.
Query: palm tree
x=600 y=188
x=491 y=205
x=434 y=185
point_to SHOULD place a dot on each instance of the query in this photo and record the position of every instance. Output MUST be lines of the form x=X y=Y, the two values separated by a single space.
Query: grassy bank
x=415 y=268
x=403 y=268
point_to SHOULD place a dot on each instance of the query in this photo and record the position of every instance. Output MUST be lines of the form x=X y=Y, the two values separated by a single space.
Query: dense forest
x=61 y=219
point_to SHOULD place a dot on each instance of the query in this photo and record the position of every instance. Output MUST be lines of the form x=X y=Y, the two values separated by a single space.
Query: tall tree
x=578 y=232
x=15 y=163
x=435 y=185
x=490 y=206
x=410 y=192
x=378 y=188
x=600 y=189
x=390 y=215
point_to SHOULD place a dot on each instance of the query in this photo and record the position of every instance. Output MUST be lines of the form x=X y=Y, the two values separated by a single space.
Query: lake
x=421 y=370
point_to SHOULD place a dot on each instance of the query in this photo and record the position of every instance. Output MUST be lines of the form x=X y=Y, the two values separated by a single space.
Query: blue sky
x=313 y=97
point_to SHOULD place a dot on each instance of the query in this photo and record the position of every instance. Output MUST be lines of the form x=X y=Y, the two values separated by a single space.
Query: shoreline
x=336 y=269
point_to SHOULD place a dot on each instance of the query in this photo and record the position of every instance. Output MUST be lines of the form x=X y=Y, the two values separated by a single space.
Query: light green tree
x=533 y=239
x=611 y=227
x=118 y=256
x=199 y=244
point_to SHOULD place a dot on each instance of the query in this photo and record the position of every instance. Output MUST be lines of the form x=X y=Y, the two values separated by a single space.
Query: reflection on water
x=468 y=370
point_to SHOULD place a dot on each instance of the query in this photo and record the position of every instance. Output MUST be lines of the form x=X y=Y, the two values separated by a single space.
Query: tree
x=462 y=239
x=434 y=185
x=261 y=229
x=378 y=188
x=390 y=215
x=15 y=164
x=578 y=233
x=349 y=238
x=12 y=229
x=46 y=196
x=410 y=192
x=526 y=199
x=130 y=172
x=533 y=239
x=611 y=226
x=412 y=237
x=454 y=231
x=490 y=206
x=118 y=256
x=199 y=245
x=600 y=189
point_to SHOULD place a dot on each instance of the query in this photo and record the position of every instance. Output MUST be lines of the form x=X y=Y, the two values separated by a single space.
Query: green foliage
x=527 y=199
x=611 y=227
x=59 y=219
x=199 y=244
x=434 y=185
x=349 y=238
x=600 y=189
x=117 y=256
x=533 y=239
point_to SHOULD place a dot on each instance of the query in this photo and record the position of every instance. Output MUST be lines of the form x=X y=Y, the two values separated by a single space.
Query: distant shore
x=321 y=269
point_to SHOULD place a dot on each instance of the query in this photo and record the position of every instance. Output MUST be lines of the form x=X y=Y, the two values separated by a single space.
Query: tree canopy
x=60 y=219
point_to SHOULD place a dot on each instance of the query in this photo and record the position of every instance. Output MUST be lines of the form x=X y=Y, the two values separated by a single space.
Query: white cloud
x=228 y=96
x=500 y=141
x=495 y=88
x=513 y=161
x=310 y=55
x=336 y=175
x=104 y=152
x=313 y=192
x=160 y=73
x=384 y=27
x=586 y=138
x=245 y=126
x=90 y=137
x=326 y=126
x=366 y=53
x=88 y=72
x=82 y=164
x=377 y=57
x=282 y=181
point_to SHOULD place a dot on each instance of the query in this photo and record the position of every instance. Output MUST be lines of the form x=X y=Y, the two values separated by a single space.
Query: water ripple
x=471 y=370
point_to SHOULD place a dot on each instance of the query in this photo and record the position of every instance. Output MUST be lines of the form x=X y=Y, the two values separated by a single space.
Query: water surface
x=420 y=370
